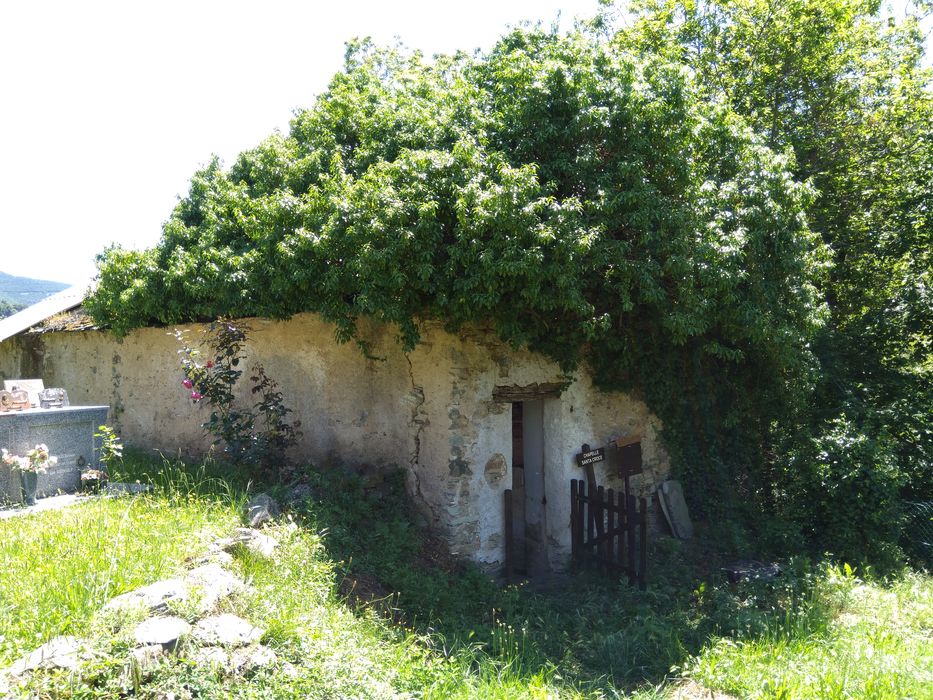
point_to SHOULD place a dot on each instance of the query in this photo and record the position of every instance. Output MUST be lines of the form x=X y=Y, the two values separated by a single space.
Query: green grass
x=58 y=567
x=872 y=642
x=438 y=628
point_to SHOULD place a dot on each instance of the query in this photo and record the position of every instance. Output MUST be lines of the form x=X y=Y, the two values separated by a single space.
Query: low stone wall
x=442 y=412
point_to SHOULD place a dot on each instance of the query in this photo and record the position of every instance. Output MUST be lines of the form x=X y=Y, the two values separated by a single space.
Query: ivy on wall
x=582 y=196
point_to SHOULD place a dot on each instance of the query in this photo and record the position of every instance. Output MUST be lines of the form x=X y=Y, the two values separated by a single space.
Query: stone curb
x=225 y=640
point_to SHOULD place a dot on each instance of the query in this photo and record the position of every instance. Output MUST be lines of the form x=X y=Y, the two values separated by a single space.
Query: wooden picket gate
x=608 y=532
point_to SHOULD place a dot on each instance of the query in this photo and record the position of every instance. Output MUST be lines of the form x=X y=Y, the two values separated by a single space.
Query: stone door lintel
x=529 y=392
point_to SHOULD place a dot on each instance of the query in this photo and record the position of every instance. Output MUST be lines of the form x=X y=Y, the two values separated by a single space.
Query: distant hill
x=23 y=291
x=8 y=309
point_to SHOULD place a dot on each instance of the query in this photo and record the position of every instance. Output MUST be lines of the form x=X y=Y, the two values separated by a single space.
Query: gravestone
x=671 y=495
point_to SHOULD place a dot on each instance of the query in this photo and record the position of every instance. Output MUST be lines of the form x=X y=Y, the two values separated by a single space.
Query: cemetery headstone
x=671 y=495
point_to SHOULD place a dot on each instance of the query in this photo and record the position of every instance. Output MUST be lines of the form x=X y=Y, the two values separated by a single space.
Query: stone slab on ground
x=164 y=631
x=147 y=657
x=227 y=630
x=215 y=555
x=211 y=656
x=60 y=652
x=119 y=488
x=251 y=659
x=671 y=496
x=155 y=597
x=256 y=542
x=214 y=582
x=261 y=509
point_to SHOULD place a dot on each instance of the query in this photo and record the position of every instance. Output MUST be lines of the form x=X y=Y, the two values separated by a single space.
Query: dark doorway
x=529 y=502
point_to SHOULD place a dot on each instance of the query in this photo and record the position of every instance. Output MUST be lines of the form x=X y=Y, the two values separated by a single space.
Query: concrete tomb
x=67 y=431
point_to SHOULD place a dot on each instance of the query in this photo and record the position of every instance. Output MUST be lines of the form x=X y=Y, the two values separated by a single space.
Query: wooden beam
x=626 y=441
x=529 y=392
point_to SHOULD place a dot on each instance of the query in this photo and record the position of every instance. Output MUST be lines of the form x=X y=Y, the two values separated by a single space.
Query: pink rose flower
x=188 y=383
x=196 y=396
x=210 y=363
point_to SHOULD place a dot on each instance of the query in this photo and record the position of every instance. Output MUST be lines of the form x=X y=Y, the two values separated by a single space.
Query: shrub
x=259 y=435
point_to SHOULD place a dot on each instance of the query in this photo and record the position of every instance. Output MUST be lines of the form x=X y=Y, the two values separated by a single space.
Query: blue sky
x=108 y=108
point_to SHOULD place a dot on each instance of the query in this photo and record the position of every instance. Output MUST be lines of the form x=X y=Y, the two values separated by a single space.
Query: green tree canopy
x=843 y=87
x=559 y=188
x=581 y=194
x=8 y=308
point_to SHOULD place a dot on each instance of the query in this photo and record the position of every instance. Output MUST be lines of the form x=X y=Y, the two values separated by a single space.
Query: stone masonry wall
x=431 y=412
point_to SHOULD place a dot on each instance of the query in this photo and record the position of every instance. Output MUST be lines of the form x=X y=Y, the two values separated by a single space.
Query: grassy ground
x=361 y=604
x=851 y=639
x=58 y=567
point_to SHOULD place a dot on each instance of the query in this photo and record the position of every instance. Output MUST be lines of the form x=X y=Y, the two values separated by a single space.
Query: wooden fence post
x=630 y=516
x=590 y=521
x=574 y=527
x=643 y=535
x=610 y=531
x=509 y=534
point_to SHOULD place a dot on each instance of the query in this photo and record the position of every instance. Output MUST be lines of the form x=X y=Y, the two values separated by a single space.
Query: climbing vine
x=580 y=196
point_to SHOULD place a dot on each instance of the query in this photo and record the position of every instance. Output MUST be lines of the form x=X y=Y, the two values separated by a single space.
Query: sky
x=108 y=108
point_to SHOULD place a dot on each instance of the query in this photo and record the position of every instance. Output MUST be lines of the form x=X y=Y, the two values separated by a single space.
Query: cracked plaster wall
x=430 y=411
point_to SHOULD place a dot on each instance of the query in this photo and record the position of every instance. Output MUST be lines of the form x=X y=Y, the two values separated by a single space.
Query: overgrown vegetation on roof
x=721 y=206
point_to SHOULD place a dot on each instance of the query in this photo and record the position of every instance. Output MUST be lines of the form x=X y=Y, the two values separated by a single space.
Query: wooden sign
x=589 y=457
x=630 y=459
x=629 y=455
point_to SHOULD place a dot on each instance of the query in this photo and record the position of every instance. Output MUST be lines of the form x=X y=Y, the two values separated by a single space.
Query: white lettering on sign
x=591 y=457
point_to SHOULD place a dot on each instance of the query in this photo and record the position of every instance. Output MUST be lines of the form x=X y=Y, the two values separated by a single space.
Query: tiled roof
x=75 y=319
x=46 y=310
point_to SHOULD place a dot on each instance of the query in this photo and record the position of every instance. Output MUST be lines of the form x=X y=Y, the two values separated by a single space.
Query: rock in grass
x=215 y=555
x=299 y=494
x=164 y=631
x=117 y=488
x=155 y=597
x=288 y=670
x=251 y=659
x=60 y=652
x=214 y=582
x=227 y=630
x=262 y=508
x=142 y=662
x=256 y=542
x=147 y=657
x=211 y=656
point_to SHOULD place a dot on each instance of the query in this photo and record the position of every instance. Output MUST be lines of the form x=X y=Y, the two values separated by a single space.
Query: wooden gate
x=608 y=532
